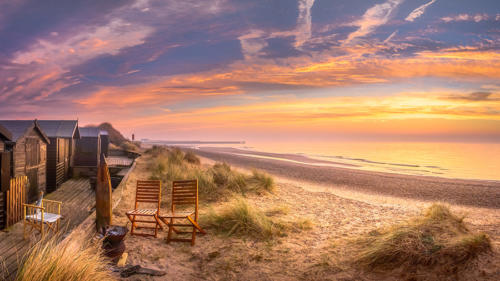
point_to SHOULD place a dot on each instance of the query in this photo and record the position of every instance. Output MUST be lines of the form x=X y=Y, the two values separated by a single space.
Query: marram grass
x=238 y=218
x=214 y=182
x=436 y=238
x=71 y=260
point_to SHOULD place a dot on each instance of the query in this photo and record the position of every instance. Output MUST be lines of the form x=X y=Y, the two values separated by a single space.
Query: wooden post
x=103 y=197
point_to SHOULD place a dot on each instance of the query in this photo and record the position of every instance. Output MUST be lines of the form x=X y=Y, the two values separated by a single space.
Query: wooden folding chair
x=44 y=213
x=147 y=192
x=185 y=194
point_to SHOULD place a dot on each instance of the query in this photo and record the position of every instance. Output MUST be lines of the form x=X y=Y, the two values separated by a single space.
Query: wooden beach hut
x=87 y=151
x=5 y=138
x=27 y=150
x=61 y=150
x=105 y=143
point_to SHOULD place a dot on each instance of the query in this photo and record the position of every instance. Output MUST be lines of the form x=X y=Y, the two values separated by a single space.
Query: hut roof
x=19 y=128
x=89 y=132
x=60 y=128
x=4 y=133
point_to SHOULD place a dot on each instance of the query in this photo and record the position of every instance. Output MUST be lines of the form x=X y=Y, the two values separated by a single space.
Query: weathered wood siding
x=105 y=145
x=4 y=176
x=27 y=148
x=58 y=159
x=51 y=165
x=72 y=145
x=87 y=152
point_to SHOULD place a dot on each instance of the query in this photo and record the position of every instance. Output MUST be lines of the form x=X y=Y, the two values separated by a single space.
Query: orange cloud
x=406 y=113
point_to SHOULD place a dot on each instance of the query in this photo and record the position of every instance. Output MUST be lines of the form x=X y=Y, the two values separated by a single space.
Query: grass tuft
x=238 y=218
x=301 y=225
x=71 y=260
x=190 y=157
x=260 y=182
x=438 y=237
x=278 y=210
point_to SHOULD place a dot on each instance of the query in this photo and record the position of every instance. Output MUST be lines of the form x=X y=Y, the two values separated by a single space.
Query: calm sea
x=451 y=160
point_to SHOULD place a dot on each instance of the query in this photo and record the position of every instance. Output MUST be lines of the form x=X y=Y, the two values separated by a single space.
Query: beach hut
x=5 y=138
x=87 y=151
x=104 y=143
x=61 y=150
x=27 y=150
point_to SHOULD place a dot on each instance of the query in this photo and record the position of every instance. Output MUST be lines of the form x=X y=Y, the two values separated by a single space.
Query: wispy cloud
x=389 y=38
x=252 y=43
x=373 y=17
x=304 y=22
x=41 y=69
x=466 y=17
x=107 y=39
x=418 y=12
x=475 y=96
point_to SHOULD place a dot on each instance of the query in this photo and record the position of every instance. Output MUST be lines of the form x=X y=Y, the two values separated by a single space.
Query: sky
x=303 y=70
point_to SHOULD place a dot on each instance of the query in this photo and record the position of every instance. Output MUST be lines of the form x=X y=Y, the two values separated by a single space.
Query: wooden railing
x=15 y=197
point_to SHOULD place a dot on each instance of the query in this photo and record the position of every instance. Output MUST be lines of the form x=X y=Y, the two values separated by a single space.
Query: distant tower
x=133 y=137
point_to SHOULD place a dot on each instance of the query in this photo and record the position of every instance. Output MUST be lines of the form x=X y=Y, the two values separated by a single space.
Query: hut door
x=32 y=175
x=32 y=162
x=66 y=158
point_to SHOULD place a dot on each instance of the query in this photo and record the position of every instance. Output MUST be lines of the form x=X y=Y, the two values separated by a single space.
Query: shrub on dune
x=437 y=238
x=260 y=181
x=156 y=150
x=129 y=146
x=175 y=156
x=221 y=173
x=240 y=219
x=215 y=182
x=190 y=157
x=71 y=260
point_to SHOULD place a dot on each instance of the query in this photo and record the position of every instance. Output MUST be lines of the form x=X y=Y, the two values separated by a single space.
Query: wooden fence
x=15 y=197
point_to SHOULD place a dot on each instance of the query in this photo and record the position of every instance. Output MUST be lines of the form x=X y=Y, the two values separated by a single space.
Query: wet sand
x=475 y=193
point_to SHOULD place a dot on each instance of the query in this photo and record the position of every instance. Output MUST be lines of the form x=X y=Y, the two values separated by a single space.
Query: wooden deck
x=78 y=203
x=119 y=161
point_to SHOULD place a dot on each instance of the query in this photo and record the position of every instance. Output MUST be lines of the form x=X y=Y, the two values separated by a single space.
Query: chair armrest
x=52 y=201
x=52 y=206
x=30 y=210
x=33 y=206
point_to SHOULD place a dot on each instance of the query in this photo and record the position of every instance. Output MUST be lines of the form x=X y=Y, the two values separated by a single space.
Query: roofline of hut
x=6 y=133
x=76 y=131
x=37 y=126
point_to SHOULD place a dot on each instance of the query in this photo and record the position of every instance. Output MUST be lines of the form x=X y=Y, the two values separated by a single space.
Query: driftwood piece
x=137 y=269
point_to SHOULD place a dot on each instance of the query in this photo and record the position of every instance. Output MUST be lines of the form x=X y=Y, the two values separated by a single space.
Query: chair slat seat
x=47 y=217
x=177 y=214
x=145 y=212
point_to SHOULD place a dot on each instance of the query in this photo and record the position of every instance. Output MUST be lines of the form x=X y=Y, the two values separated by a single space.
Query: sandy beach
x=474 y=193
x=340 y=203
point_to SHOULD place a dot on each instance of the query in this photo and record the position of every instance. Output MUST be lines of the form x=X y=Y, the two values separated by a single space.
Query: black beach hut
x=63 y=135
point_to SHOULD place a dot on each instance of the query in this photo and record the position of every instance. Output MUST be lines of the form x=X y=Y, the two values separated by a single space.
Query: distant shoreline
x=478 y=193
x=153 y=142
